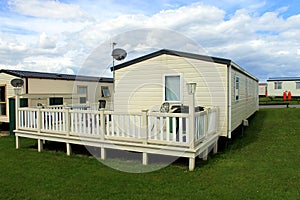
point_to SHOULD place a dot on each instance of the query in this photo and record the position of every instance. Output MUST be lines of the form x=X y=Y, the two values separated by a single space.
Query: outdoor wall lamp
x=191 y=87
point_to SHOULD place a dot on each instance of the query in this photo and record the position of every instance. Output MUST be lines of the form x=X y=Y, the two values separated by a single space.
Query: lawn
x=261 y=163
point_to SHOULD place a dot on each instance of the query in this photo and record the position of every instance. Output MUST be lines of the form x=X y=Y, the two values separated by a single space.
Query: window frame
x=276 y=85
x=102 y=91
x=297 y=83
x=180 y=88
x=55 y=103
x=237 y=89
x=5 y=100
x=82 y=95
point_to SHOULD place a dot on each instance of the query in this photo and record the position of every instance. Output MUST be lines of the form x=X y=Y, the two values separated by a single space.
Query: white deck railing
x=145 y=127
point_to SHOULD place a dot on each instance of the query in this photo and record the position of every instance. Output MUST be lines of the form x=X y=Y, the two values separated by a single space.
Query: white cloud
x=64 y=36
x=45 y=42
x=49 y=9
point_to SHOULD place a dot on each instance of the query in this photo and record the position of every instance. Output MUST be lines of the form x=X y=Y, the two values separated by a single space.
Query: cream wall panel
x=286 y=86
x=49 y=86
x=68 y=89
x=140 y=86
x=248 y=99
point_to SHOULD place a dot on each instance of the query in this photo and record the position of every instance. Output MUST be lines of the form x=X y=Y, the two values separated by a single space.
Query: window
x=82 y=93
x=105 y=91
x=172 y=91
x=56 y=101
x=277 y=85
x=2 y=100
x=247 y=89
x=237 y=88
x=297 y=85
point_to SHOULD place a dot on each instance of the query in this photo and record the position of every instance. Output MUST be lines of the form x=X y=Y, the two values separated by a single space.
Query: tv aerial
x=17 y=82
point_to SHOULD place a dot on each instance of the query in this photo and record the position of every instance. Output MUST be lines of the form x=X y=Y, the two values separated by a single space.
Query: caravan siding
x=244 y=97
x=292 y=86
x=9 y=93
x=141 y=86
x=41 y=89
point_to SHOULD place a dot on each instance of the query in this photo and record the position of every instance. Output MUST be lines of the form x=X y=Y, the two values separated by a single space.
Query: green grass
x=263 y=163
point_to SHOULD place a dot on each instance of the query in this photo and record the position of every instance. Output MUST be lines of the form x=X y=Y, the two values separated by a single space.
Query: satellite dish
x=119 y=54
x=17 y=82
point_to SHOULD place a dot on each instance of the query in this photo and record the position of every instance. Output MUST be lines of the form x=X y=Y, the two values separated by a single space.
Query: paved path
x=279 y=106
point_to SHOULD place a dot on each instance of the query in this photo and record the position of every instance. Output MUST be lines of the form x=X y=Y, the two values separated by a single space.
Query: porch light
x=191 y=87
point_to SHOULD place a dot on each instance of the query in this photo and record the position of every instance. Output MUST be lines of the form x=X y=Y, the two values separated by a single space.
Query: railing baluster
x=155 y=128
x=174 y=129
x=161 y=119
x=180 y=129
x=118 y=125
x=112 y=125
x=107 y=125
x=168 y=128
x=98 y=124
x=139 y=127
x=133 y=126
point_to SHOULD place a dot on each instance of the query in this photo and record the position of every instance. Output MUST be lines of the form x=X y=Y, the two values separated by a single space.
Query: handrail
x=146 y=127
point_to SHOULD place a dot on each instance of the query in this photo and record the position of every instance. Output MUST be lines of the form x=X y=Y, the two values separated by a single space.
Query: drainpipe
x=229 y=93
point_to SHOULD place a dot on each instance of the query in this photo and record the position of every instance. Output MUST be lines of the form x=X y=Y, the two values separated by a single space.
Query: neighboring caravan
x=276 y=86
x=149 y=81
x=51 y=89
x=263 y=89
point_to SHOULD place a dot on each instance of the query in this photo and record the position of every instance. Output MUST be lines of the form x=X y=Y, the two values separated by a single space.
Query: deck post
x=145 y=158
x=192 y=120
x=69 y=149
x=103 y=153
x=205 y=154
x=102 y=133
x=191 y=163
x=144 y=130
x=40 y=145
x=206 y=124
x=68 y=121
x=38 y=120
x=102 y=124
x=17 y=142
x=215 y=150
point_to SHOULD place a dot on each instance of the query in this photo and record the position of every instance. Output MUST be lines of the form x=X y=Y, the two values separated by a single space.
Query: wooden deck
x=174 y=134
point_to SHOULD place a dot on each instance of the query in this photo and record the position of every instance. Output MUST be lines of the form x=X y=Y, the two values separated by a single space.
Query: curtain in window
x=172 y=88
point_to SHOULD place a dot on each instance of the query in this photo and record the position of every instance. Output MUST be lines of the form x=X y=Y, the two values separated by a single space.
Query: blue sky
x=74 y=36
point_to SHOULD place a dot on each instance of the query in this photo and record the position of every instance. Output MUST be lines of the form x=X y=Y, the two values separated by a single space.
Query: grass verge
x=263 y=163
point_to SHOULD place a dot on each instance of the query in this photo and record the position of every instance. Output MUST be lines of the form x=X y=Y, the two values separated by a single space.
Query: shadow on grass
x=241 y=137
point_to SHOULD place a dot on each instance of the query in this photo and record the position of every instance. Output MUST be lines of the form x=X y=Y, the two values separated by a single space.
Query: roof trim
x=283 y=79
x=174 y=53
x=55 y=76
x=186 y=55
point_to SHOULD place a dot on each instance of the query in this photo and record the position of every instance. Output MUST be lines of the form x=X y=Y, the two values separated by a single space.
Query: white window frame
x=181 y=87
x=103 y=93
x=237 y=90
x=276 y=83
x=247 y=88
x=298 y=83
x=5 y=100
x=81 y=94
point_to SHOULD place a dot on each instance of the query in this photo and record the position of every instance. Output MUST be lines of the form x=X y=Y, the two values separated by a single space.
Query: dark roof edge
x=186 y=55
x=43 y=75
x=174 y=53
x=283 y=79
